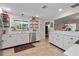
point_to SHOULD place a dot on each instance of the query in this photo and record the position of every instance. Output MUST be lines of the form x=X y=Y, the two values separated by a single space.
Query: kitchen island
x=64 y=39
x=15 y=39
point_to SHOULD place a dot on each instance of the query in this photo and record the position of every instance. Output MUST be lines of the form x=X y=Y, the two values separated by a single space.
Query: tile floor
x=42 y=48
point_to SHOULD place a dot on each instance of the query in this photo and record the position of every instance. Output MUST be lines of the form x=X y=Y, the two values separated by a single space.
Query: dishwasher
x=32 y=37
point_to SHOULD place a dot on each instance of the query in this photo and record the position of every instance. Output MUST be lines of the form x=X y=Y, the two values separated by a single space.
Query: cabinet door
x=51 y=35
x=8 y=41
x=37 y=36
x=68 y=41
x=55 y=41
x=58 y=40
x=21 y=38
x=25 y=38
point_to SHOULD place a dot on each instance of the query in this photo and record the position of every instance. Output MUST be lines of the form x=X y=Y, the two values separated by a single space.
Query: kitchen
x=22 y=26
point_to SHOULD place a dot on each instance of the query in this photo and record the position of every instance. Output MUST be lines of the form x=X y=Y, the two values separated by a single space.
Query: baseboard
x=19 y=45
x=57 y=46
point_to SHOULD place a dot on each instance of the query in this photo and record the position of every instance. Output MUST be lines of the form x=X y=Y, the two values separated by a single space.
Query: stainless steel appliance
x=32 y=36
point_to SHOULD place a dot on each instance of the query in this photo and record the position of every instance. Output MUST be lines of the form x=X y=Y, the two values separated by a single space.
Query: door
x=46 y=31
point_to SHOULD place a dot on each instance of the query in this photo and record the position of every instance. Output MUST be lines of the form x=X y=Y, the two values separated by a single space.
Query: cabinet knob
x=10 y=35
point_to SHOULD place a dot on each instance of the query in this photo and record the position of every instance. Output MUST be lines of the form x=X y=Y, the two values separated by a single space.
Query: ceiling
x=35 y=9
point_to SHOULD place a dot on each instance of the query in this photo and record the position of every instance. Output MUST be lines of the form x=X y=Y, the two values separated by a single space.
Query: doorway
x=47 y=30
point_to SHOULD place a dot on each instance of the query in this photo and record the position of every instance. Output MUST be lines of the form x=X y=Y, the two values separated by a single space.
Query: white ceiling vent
x=44 y=6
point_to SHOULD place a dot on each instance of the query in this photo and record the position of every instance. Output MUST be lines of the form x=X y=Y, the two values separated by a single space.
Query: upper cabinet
x=68 y=23
x=5 y=19
x=34 y=23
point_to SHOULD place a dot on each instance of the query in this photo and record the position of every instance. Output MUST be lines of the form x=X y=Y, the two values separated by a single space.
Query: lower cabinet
x=38 y=36
x=8 y=41
x=24 y=38
x=51 y=36
x=69 y=41
x=64 y=41
x=58 y=40
x=14 y=40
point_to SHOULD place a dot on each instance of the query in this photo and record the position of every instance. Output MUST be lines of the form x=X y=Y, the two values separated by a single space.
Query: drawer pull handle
x=71 y=38
x=10 y=36
x=1 y=41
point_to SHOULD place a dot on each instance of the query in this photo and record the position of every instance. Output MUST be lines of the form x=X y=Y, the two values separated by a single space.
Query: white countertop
x=73 y=50
x=70 y=33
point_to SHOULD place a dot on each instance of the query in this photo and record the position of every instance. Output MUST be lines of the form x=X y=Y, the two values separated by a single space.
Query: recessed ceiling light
x=60 y=9
x=37 y=16
x=8 y=9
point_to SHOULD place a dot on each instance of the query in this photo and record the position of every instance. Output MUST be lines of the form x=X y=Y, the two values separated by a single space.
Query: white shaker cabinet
x=58 y=40
x=51 y=35
x=21 y=39
x=69 y=41
x=11 y=40
x=25 y=37
x=55 y=40
x=8 y=41
x=38 y=36
x=63 y=41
